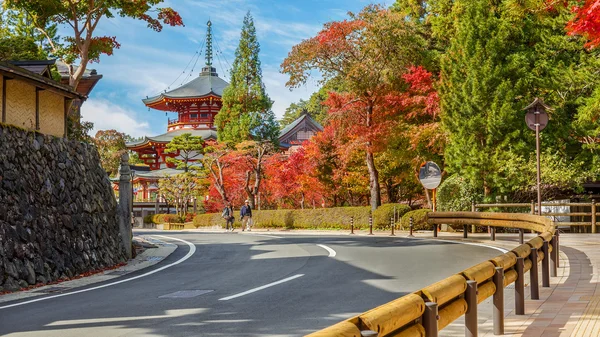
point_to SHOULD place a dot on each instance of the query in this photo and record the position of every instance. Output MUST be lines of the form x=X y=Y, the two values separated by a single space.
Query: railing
x=206 y=120
x=532 y=207
x=426 y=311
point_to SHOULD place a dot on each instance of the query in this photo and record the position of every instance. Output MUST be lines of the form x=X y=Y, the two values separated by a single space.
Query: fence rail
x=577 y=225
x=430 y=309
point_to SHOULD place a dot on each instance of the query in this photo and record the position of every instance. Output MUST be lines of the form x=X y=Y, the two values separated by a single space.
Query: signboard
x=430 y=175
x=532 y=118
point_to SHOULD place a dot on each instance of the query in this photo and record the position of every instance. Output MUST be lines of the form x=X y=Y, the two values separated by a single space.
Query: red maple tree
x=587 y=22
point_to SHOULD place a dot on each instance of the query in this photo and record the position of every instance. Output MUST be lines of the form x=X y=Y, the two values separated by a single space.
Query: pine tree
x=246 y=113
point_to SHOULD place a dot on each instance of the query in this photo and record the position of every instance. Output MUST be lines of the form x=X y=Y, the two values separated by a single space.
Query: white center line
x=260 y=288
x=187 y=256
x=332 y=252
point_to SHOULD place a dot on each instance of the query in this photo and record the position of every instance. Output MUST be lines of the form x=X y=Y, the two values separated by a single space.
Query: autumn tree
x=82 y=18
x=110 y=145
x=216 y=161
x=186 y=150
x=246 y=113
x=179 y=190
x=369 y=53
x=587 y=22
x=253 y=155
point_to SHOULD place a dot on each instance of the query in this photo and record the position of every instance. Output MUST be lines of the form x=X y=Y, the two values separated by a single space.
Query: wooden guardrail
x=575 y=225
x=430 y=309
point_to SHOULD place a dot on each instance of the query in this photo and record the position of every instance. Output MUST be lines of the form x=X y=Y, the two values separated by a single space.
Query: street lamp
x=536 y=119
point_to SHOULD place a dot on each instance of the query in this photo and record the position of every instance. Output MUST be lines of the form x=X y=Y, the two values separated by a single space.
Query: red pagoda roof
x=208 y=84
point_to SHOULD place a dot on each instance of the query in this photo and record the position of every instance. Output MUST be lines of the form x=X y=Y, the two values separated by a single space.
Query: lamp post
x=536 y=119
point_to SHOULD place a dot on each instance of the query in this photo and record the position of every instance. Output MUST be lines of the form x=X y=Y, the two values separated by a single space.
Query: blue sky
x=148 y=62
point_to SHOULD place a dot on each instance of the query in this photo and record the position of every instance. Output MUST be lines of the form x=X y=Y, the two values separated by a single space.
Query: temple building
x=196 y=104
x=298 y=132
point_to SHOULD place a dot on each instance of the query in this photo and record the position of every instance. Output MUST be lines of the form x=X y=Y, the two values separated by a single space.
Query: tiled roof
x=167 y=137
x=207 y=83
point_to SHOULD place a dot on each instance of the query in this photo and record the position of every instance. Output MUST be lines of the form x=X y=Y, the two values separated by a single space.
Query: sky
x=149 y=62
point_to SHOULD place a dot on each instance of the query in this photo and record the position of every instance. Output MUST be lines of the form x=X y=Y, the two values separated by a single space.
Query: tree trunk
x=373 y=181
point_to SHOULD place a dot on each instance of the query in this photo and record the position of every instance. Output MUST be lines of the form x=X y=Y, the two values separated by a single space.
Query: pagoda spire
x=209 y=54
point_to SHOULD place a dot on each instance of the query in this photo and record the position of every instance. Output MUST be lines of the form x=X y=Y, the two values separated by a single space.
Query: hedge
x=419 y=220
x=319 y=218
x=163 y=218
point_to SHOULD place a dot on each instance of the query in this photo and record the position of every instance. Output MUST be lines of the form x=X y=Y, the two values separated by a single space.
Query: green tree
x=292 y=112
x=179 y=190
x=246 y=113
x=187 y=148
x=15 y=48
x=110 y=145
x=500 y=56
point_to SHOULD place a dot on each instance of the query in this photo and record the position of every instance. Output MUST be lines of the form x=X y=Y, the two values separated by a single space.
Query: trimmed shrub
x=166 y=218
x=383 y=214
x=149 y=218
x=319 y=218
x=455 y=194
x=419 y=220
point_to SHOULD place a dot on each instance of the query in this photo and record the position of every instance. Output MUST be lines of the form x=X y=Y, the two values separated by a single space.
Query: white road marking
x=466 y=243
x=268 y=236
x=332 y=252
x=260 y=288
x=168 y=314
x=187 y=256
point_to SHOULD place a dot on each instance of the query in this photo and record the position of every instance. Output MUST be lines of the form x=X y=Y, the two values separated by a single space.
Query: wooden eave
x=38 y=81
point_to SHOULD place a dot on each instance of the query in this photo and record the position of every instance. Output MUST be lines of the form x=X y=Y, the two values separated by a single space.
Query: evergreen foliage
x=187 y=148
x=246 y=113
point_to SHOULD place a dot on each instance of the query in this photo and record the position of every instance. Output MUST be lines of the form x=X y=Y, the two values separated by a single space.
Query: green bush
x=419 y=220
x=383 y=214
x=166 y=218
x=319 y=218
x=455 y=194
x=149 y=218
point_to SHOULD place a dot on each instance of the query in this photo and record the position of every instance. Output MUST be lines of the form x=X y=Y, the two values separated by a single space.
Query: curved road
x=248 y=285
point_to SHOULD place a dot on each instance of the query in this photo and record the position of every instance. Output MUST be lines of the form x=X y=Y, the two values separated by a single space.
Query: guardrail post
x=411 y=225
x=351 y=225
x=370 y=224
x=465 y=231
x=557 y=234
x=532 y=207
x=498 y=300
x=520 y=287
x=545 y=266
x=533 y=275
x=492 y=233
x=430 y=319
x=392 y=225
x=435 y=228
x=553 y=257
x=593 y=216
x=521 y=236
x=473 y=209
x=471 y=314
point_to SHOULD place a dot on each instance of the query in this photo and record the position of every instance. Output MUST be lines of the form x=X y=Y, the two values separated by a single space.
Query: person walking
x=228 y=216
x=246 y=215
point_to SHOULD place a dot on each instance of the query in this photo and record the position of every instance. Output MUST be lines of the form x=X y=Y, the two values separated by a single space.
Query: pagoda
x=196 y=104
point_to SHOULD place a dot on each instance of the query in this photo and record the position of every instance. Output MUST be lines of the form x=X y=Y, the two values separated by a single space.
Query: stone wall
x=58 y=214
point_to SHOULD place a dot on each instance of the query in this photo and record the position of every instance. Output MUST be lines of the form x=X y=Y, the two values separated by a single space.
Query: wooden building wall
x=21 y=108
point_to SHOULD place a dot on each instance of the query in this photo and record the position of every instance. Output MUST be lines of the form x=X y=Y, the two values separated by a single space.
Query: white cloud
x=106 y=115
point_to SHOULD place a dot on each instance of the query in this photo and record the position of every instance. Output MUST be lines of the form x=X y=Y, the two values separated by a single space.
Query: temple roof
x=167 y=137
x=207 y=84
x=166 y=172
x=302 y=122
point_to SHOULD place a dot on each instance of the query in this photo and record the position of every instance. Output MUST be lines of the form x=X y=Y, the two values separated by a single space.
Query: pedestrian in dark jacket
x=228 y=216
x=246 y=215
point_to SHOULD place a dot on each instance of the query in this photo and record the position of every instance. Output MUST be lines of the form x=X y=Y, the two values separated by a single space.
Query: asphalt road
x=248 y=285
